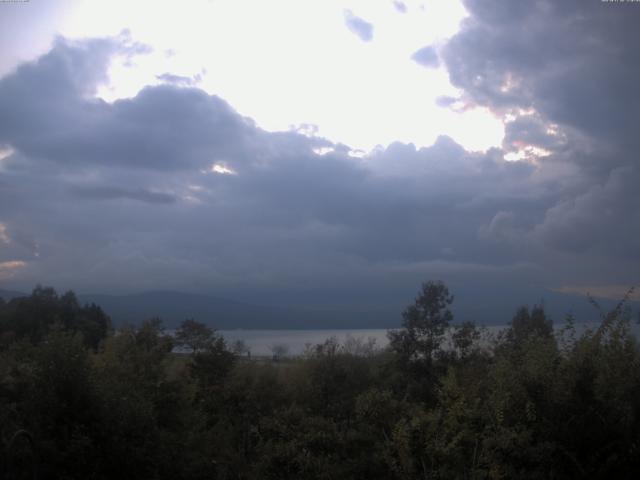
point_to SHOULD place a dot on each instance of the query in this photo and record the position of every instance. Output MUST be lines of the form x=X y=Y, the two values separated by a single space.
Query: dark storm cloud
x=174 y=189
x=59 y=124
x=360 y=27
x=427 y=57
x=532 y=130
x=604 y=219
x=572 y=61
x=568 y=72
x=173 y=186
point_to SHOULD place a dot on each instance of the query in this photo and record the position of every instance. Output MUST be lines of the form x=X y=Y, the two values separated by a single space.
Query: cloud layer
x=566 y=75
x=174 y=189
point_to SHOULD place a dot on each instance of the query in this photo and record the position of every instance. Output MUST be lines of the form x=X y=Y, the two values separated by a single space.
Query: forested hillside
x=80 y=401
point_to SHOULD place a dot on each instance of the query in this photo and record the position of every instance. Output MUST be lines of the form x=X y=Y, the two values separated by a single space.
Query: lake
x=260 y=342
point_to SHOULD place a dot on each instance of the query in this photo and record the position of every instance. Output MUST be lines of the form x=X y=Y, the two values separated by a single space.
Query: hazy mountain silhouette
x=9 y=294
x=173 y=307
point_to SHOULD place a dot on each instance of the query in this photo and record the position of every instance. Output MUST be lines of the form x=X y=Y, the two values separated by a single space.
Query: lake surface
x=260 y=342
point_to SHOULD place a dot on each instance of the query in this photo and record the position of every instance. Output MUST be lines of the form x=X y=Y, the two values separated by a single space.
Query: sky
x=321 y=153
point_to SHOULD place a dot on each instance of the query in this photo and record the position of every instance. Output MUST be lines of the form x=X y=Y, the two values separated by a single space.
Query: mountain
x=486 y=306
x=9 y=294
x=173 y=307
x=476 y=305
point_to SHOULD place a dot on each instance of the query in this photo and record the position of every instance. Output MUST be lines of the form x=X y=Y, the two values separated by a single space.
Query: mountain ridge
x=225 y=314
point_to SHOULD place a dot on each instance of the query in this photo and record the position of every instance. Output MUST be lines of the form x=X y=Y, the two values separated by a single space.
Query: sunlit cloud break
x=310 y=160
x=8 y=269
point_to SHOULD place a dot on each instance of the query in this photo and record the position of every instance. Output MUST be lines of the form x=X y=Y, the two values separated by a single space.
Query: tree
x=464 y=337
x=279 y=351
x=240 y=347
x=194 y=335
x=62 y=408
x=526 y=325
x=212 y=363
x=32 y=317
x=424 y=324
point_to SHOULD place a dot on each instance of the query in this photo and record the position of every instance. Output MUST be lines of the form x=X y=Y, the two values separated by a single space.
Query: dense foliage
x=80 y=401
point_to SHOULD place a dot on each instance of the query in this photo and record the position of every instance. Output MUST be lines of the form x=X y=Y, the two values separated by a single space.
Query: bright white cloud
x=222 y=169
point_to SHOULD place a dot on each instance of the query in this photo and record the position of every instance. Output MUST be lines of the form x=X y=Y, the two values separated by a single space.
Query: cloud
x=604 y=219
x=361 y=28
x=532 y=130
x=534 y=55
x=179 y=80
x=62 y=124
x=103 y=192
x=400 y=6
x=427 y=57
x=4 y=237
x=444 y=267
x=563 y=76
x=611 y=292
x=502 y=228
x=10 y=268
x=126 y=196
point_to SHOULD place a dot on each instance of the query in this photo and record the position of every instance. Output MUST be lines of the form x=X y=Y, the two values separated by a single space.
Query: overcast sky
x=328 y=152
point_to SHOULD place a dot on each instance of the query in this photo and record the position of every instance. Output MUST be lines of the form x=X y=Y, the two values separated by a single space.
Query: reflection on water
x=260 y=342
